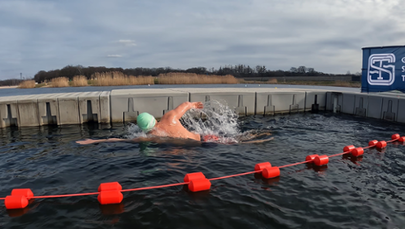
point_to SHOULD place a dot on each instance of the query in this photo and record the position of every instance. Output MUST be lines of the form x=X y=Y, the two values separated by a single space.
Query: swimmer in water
x=168 y=126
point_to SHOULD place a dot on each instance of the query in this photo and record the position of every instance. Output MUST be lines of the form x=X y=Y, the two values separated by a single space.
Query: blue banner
x=383 y=69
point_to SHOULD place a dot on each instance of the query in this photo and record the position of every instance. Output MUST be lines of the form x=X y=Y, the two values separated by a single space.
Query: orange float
x=110 y=193
x=261 y=166
x=271 y=172
x=110 y=197
x=395 y=136
x=198 y=185
x=19 y=198
x=197 y=182
x=372 y=143
x=381 y=144
x=109 y=186
x=192 y=176
x=311 y=157
x=357 y=152
x=23 y=192
x=16 y=202
x=348 y=148
x=321 y=160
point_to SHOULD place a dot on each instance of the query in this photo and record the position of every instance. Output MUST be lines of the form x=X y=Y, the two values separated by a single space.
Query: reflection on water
x=362 y=192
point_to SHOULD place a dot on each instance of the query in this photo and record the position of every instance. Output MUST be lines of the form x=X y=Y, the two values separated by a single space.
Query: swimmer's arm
x=91 y=141
x=184 y=107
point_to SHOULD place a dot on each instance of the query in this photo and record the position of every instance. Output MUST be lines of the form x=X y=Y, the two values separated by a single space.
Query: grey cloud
x=127 y=42
x=114 y=56
x=327 y=35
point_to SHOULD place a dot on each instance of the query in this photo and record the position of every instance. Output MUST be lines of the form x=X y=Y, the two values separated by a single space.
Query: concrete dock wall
x=280 y=102
x=390 y=107
x=315 y=100
x=8 y=111
x=242 y=100
x=125 y=105
x=55 y=109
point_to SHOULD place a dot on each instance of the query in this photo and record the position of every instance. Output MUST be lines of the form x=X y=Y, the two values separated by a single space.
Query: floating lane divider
x=111 y=193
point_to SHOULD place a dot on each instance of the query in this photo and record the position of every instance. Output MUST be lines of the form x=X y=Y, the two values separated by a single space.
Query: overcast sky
x=324 y=34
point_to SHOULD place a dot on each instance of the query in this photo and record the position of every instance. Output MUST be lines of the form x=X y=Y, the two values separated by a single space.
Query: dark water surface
x=364 y=193
x=34 y=91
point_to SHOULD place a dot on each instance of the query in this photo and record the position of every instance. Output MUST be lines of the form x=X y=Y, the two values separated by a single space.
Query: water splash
x=215 y=118
x=134 y=131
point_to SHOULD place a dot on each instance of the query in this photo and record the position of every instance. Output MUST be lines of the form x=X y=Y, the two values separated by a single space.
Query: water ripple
x=348 y=193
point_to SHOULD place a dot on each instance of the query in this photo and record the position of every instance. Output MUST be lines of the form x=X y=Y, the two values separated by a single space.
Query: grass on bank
x=27 y=84
x=192 y=78
x=79 y=81
x=119 y=79
x=269 y=81
x=60 y=82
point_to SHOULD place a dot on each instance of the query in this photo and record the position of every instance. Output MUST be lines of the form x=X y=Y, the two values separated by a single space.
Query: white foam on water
x=215 y=118
x=134 y=131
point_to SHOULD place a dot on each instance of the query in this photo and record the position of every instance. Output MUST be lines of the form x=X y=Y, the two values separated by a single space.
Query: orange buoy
x=261 y=166
x=23 y=192
x=192 y=176
x=311 y=157
x=197 y=185
x=372 y=143
x=357 y=152
x=110 y=197
x=109 y=186
x=16 y=202
x=381 y=144
x=321 y=160
x=271 y=172
x=401 y=139
x=395 y=136
x=348 y=148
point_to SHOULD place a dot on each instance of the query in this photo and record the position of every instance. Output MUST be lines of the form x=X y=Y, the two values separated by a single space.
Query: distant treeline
x=10 y=82
x=239 y=71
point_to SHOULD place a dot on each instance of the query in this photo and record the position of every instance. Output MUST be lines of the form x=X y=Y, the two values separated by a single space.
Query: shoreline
x=302 y=83
x=5 y=87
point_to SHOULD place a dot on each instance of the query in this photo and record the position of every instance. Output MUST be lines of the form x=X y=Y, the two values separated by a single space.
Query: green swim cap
x=146 y=121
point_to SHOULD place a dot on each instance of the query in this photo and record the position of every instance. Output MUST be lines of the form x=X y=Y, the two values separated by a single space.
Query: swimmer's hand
x=86 y=142
x=198 y=105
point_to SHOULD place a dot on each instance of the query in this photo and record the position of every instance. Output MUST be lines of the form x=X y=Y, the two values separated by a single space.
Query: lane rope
x=111 y=193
